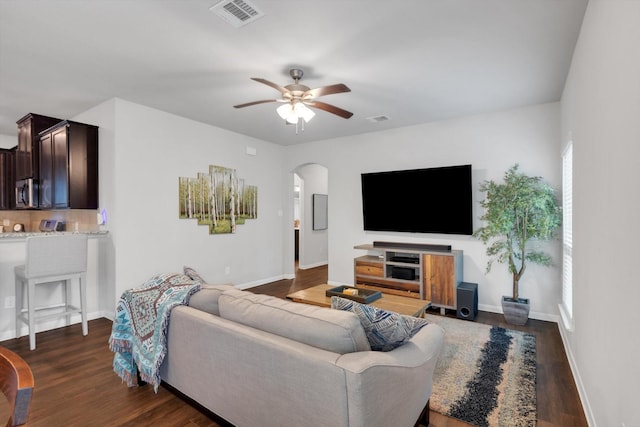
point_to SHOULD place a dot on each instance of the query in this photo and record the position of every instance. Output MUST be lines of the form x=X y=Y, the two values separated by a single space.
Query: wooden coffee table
x=403 y=305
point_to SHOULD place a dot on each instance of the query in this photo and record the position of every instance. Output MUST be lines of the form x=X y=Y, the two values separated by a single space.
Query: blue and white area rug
x=485 y=375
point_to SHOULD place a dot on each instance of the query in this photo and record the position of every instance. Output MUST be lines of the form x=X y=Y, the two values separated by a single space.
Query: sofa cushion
x=339 y=332
x=385 y=330
x=206 y=299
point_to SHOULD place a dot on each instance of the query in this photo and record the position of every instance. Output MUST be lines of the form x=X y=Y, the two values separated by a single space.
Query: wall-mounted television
x=433 y=200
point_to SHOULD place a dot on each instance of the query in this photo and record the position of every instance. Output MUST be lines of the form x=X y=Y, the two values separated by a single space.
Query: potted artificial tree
x=519 y=211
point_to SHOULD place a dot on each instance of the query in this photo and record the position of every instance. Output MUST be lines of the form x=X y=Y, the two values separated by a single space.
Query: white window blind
x=567 y=231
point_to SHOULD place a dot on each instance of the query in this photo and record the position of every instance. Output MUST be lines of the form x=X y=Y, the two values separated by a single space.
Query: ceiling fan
x=296 y=99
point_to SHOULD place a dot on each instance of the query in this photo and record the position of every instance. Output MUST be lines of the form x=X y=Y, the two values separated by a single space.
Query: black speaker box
x=403 y=273
x=467 y=296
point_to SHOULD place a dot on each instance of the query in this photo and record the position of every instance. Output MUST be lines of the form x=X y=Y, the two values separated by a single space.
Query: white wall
x=313 y=243
x=491 y=143
x=143 y=153
x=601 y=113
x=9 y=141
x=104 y=116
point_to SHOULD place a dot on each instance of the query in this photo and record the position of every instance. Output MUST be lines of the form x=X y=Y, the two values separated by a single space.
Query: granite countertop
x=24 y=234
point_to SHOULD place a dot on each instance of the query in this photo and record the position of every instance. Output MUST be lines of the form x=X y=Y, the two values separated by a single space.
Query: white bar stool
x=51 y=259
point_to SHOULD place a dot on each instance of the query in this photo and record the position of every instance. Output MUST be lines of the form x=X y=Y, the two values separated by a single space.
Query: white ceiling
x=415 y=61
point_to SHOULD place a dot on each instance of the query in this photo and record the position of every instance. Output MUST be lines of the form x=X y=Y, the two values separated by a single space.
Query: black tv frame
x=436 y=200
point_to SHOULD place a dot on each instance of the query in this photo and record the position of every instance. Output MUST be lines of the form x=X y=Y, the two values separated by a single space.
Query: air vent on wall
x=237 y=12
x=378 y=119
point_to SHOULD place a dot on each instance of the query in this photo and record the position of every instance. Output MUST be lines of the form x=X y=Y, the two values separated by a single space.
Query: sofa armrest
x=392 y=388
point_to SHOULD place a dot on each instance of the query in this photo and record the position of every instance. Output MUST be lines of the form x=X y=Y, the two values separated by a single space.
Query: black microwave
x=26 y=194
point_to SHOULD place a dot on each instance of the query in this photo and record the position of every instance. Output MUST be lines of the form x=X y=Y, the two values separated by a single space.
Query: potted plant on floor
x=519 y=211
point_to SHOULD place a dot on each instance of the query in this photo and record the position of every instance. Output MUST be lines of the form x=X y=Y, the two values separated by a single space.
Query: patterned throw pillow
x=385 y=330
x=188 y=271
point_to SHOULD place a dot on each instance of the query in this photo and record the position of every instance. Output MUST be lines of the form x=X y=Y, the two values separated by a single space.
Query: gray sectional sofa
x=256 y=360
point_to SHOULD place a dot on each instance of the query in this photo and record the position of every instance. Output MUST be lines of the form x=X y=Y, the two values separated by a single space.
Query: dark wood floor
x=76 y=386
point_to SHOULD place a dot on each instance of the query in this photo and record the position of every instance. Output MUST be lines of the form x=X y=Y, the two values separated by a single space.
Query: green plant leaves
x=517 y=211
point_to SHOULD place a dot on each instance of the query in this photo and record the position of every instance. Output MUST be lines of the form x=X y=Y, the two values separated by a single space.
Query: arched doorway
x=311 y=244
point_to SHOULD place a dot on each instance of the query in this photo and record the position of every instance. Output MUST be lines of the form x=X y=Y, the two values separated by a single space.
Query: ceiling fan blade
x=249 y=104
x=277 y=87
x=326 y=90
x=330 y=108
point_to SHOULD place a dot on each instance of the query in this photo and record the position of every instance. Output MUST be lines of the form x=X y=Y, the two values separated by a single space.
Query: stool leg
x=83 y=303
x=19 y=293
x=67 y=301
x=32 y=313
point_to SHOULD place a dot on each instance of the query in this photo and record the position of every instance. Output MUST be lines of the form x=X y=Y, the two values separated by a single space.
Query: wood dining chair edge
x=17 y=383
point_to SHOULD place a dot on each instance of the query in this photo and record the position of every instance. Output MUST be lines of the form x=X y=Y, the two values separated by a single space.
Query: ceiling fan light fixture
x=292 y=113
x=292 y=119
x=303 y=111
x=288 y=113
x=284 y=111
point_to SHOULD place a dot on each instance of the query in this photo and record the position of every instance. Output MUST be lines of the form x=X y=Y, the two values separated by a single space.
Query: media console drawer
x=367 y=269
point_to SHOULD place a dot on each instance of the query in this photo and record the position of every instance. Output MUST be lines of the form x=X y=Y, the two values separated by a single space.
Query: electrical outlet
x=227 y=270
x=9 y=302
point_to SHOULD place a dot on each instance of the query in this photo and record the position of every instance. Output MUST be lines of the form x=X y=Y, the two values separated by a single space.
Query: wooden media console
x=411 y=272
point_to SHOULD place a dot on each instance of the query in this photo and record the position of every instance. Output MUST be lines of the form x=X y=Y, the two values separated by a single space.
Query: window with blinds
x=567 y=238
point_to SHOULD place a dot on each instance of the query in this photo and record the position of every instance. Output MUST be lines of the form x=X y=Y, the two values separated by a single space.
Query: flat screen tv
x=434 y=200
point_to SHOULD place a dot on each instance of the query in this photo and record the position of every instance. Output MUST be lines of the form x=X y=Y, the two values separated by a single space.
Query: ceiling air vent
x=378 y=119
x=237 y=12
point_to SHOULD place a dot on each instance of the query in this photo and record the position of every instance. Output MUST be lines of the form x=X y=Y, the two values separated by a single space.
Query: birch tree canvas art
x=217 y=199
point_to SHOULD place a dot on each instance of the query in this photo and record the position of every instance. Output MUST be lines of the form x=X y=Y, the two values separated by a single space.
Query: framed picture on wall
x=320 y=211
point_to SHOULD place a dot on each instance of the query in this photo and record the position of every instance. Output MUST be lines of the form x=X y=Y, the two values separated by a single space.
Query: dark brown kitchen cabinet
x=26 y=160
x=69 y=166
x=7 y=180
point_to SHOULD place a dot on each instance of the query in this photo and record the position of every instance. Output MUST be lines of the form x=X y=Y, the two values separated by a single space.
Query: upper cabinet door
x=24 y=167
x=27 y=154
x=69 y=166
x=7 y=181
x=60 y=162
x=46 y=172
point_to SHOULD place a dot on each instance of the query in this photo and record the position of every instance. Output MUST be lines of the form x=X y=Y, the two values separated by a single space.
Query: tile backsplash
x=85 y=218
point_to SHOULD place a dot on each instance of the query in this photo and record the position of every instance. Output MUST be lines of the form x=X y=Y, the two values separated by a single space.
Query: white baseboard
x=591 y=421
x=253 y=284
x=532 y=315
x=108 y=315
x=308 y=266
x=55 y=324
